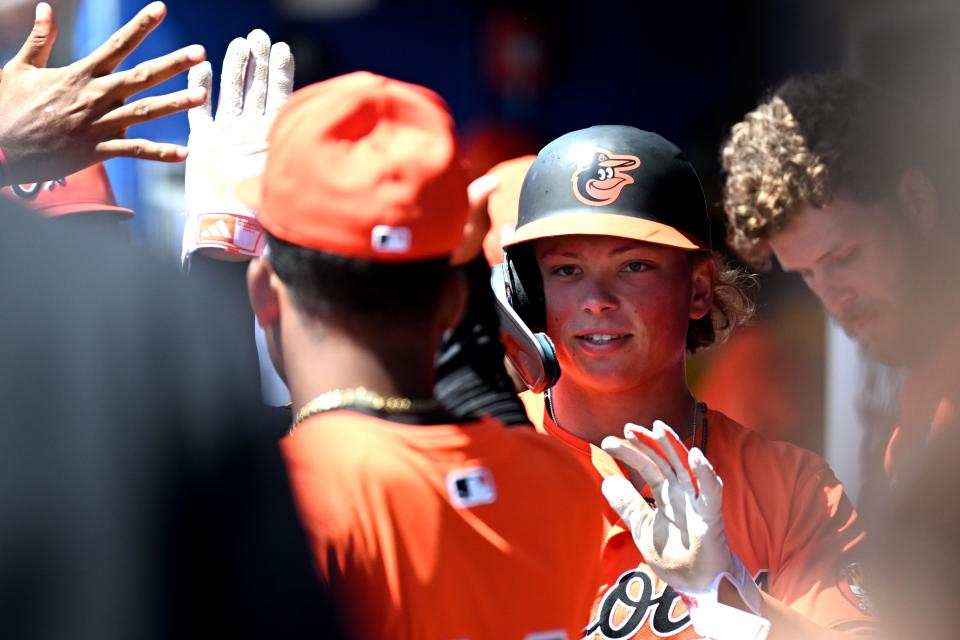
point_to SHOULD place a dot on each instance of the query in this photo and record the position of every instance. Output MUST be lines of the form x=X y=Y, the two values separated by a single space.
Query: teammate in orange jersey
x=856 y=191
x=611 y=258
x=426 y=526
x=850 y=188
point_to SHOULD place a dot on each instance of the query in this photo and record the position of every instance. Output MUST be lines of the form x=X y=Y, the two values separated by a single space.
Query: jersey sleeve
x=817 y=573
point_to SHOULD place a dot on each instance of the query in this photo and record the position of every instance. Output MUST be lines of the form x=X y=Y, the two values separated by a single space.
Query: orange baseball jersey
x=447 y=531
x=786 y=517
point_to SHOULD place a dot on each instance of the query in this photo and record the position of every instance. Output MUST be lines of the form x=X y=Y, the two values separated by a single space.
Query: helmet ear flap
x=525 y=287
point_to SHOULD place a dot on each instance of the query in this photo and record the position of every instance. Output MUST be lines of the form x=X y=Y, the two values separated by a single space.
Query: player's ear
x=703 y=271
x=919 y=199
x=263 y=290
x=453 y=301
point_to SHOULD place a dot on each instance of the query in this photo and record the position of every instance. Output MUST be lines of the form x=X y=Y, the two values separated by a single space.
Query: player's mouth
x=855 y=321
x=596 y=342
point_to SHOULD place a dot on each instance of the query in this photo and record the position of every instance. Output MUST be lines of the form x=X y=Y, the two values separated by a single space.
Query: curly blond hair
x=814 y=137
x=733 y=303
x=770 y=171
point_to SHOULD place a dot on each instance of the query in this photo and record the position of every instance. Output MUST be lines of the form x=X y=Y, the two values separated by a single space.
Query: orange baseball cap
x=86 y=191
x=503 y=205
x=364 y=167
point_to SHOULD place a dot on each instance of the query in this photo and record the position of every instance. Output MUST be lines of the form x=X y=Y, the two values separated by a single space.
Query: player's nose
x=833 y=293
x=598 y=297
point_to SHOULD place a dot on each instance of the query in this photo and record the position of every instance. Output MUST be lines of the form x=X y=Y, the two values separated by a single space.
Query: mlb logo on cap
x=387 y=239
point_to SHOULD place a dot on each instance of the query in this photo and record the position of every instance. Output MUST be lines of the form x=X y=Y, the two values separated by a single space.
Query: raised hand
x=682 y=539
x=54 y=122
x=230 y=148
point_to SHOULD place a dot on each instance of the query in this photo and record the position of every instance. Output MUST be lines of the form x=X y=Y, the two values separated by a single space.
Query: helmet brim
x=604 y=224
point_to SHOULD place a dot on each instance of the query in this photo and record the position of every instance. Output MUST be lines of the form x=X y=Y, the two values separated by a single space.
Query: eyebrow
x=823 y=256
x=626 y=248
x=556 y=253
x=834 y=249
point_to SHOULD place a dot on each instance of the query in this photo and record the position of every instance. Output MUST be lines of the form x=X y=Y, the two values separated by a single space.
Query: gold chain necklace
x=360 y=397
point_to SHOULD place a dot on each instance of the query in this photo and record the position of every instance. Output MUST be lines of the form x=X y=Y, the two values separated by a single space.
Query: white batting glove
x=224 y=151
x=683 y=539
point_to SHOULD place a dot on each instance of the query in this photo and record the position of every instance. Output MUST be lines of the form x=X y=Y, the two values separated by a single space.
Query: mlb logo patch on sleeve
x=471 y=487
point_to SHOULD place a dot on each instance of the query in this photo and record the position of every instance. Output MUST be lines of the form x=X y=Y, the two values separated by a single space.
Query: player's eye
x=845 y=257
x=636 y=266
x=565 y=270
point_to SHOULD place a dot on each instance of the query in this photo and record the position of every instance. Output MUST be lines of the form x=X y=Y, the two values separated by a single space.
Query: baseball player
x=611 y=258
x=231 y=144
x=425 y=525
x=851 y=189
x=854 y=190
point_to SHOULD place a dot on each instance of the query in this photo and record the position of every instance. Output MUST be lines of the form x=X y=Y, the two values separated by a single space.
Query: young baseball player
x=852 y=190
x=426 y=526
x=611 y=257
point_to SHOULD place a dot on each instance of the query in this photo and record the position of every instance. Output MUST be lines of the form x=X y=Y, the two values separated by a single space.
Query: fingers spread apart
x=257 y=77
x=35 y=51
x=121 y=44
x=151 y=108
x=150 y=73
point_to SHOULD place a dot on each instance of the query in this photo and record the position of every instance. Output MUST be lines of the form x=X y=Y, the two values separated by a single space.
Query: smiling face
x=855 y=257
x=618 y=309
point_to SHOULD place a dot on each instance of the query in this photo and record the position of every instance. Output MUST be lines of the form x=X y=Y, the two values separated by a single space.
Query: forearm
x=785 y=623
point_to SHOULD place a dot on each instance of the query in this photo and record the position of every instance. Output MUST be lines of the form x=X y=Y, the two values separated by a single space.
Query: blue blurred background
x=517 y=74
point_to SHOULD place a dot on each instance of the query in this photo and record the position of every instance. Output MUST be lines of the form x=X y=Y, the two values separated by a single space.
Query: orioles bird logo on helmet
x=601 y=176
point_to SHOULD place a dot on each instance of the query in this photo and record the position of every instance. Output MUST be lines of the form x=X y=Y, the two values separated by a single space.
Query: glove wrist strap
x=226 y=234
x=718 y=621
x=741 y=579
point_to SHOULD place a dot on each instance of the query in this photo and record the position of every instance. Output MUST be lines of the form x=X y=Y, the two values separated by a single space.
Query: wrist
x=735 y=587
x=718 y=621
x=230 y=237
x=730 y=608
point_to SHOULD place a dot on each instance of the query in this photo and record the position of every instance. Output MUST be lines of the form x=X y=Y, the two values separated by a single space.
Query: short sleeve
x=817 y=573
